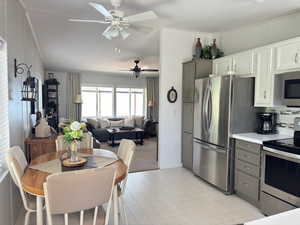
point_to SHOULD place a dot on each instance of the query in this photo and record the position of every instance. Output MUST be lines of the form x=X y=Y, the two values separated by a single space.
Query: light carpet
x=145 y=157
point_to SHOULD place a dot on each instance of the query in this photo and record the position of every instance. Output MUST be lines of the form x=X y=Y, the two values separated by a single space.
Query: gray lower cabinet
x=188 y=117
x=187 y=150
x=247 y=171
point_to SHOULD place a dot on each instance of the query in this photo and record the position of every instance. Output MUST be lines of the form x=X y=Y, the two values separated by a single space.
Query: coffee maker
x=297 y=132
x=267 y=123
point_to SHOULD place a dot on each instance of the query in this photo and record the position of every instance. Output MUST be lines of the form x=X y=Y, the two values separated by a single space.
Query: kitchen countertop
x=259 y=138
x=287 y=218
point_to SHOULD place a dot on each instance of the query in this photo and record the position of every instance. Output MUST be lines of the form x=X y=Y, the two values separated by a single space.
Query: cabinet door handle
x=265 y=94
x=296 y=57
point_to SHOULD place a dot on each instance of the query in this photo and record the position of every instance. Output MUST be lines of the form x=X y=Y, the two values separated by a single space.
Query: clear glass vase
x=73 y=152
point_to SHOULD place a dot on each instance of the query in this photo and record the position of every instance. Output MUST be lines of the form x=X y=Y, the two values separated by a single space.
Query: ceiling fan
x=118 y=23
x=138 y=70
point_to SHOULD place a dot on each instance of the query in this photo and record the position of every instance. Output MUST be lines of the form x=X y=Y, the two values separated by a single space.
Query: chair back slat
x=17 y=163
x=61 y=145
x=15 y=157
x=87 y=141
x=80 y=190
x=126 y=151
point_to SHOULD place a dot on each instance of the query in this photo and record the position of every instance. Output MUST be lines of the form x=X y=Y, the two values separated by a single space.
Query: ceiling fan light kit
x=119 y=24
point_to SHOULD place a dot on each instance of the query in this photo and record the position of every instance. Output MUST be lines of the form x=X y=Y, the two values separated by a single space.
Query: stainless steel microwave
x=291 y=94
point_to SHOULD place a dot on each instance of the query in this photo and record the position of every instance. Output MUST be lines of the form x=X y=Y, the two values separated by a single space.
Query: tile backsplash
x=285 y=119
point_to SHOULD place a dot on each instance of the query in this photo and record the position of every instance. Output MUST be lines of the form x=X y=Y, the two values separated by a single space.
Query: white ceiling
x=80 y=46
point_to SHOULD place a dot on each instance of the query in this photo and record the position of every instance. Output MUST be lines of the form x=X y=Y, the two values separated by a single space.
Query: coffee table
x=136 y=134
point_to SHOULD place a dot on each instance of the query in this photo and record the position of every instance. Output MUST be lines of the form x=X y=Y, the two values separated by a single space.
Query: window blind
x=4 y=124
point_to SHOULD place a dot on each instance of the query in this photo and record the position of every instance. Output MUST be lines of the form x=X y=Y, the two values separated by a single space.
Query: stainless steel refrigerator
x=223 y=105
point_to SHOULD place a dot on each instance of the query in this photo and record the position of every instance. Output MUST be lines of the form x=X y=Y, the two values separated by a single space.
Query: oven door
x=281 y=175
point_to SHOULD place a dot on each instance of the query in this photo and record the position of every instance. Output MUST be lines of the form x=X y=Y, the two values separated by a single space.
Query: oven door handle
x=282 y=154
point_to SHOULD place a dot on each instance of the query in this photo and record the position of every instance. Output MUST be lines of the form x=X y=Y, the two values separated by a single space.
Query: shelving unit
x=51 y=102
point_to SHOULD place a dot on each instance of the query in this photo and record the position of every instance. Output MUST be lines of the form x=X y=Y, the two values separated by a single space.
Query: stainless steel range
x=280 y=176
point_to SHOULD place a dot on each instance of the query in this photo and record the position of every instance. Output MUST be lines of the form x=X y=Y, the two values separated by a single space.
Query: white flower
x=75 y=126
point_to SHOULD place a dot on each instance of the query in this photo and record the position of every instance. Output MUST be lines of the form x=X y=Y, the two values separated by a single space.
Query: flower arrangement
x=74 y=132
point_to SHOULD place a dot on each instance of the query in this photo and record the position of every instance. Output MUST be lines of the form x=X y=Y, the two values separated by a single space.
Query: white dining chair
x=68 y=193
x=125 y=152
x=17 y=163
x=61 y=145
x=86 y=143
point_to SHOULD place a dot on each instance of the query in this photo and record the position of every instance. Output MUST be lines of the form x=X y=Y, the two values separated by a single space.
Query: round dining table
x=33 y=179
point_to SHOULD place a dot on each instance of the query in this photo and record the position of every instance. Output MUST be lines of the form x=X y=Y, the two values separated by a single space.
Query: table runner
x=55 y=166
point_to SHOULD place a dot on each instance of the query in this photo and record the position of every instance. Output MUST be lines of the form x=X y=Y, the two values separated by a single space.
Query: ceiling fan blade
x=100 y=8
x=149 y=15
x=89 y=21
x=141 y=29
x=107 y=33
x=150 y=70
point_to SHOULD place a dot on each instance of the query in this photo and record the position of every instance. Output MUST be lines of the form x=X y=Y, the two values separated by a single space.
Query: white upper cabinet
x=243 y=63
x=264 y=81
x=239 y=64
x=287 y=56
x=222 y=66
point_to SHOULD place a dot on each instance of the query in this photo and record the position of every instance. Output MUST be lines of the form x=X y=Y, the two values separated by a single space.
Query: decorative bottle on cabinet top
x=199 y=49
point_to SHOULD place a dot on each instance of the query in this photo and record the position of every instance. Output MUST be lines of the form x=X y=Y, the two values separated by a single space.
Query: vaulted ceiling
x=80 y=46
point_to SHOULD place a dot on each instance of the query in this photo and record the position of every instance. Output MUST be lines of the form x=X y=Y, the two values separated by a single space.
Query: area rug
x=145 y=157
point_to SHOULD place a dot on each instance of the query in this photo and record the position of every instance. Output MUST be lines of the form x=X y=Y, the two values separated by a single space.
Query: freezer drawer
x=210 y=163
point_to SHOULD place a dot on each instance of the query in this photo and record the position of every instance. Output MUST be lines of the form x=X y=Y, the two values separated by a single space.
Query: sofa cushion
x=94 y=123
x=139 y=121
x=119 y=123
x=129 y=122
x=104 y=123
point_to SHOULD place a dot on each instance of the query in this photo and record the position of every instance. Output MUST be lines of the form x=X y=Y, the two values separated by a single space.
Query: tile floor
x=177 y=197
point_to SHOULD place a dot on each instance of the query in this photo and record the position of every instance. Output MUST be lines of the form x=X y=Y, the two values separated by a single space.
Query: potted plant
x=73 y=135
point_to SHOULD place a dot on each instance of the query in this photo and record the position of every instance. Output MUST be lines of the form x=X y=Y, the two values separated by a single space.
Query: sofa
x=98 y=127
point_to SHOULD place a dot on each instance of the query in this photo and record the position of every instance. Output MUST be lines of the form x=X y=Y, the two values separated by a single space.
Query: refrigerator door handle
x=204 y=111
x=209 y=147
x=209 y=106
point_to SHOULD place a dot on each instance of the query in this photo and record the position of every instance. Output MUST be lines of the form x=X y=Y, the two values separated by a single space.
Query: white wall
x=14 y=28
x=176 y=46
x=256 y=35
x=110 y=79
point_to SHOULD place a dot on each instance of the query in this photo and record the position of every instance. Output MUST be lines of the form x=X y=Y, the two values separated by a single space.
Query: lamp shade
x=150 y=103
x=78 y=99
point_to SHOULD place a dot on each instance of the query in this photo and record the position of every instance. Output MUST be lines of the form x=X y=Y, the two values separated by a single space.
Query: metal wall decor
x=172 y=95
x=29 y=88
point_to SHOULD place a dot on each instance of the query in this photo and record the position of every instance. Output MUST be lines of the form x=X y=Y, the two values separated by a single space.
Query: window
x=4 y=131
x=109 y=102
x=97 y=102
x=130 y=102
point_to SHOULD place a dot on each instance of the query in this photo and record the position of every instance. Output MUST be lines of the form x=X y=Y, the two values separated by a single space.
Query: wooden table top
x=32 y=180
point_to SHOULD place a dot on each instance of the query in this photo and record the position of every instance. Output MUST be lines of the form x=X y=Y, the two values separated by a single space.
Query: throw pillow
x=119 y=123
x=94 y=123
x=139 y=121
x=104 y=123
x=129 y=122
